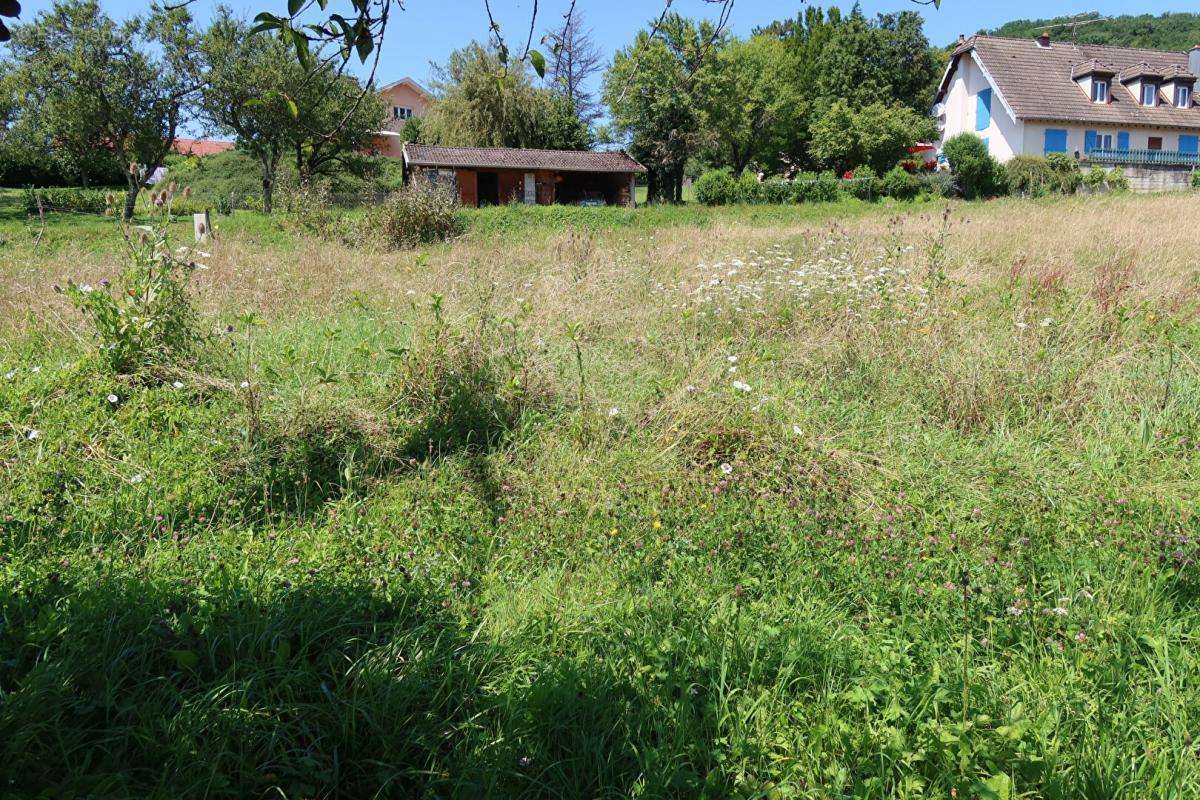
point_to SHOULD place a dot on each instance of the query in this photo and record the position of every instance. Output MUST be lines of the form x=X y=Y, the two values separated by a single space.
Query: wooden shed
x=496 y=175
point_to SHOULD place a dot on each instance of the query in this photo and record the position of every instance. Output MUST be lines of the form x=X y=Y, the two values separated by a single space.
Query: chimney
x=963 y=39
x=1194 y=60
x=1044 y=39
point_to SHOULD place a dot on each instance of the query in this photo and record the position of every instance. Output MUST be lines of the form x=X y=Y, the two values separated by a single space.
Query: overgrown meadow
x=894 y=502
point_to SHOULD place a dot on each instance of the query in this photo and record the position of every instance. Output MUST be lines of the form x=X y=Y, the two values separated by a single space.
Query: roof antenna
x=1074 y=23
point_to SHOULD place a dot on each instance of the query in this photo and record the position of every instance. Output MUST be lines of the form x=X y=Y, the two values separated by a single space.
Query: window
x=401 y=112
x=983 y=110
x=1183 y=96
x=1099 y=91
x=1056 y=141
x=1149 y=94
x=1154 y=143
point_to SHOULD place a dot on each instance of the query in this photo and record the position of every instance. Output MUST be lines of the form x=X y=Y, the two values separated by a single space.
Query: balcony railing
x=1172 y=158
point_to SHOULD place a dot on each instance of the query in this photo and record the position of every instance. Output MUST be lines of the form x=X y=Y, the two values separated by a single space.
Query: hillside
x=1170 y=31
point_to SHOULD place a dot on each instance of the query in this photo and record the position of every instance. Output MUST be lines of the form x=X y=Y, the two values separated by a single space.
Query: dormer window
x=1099 y=91
x=1149 y=94
x=1183 y=96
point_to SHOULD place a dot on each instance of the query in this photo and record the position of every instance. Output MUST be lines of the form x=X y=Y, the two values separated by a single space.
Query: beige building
x=406 y=99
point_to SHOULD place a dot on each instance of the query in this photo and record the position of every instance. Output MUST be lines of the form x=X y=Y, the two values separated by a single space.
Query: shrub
x=979 y=175
x=716 y=188
x=864 y=184
x=423 y=211
x=1096 y=178
x=146 y=318
x=939 y=184
x=1117 y=181
x=1067 y=174
x=811 y=187
x=87 y=201
x=776 y=190
x=750 y=189
x=900 y=184
x=1196 y=178
x=1029 y=176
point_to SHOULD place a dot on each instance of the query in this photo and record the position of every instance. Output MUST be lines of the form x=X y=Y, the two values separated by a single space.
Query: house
x=201 y=147
x=1109 y=105
x=405 y=99
x=496 y=175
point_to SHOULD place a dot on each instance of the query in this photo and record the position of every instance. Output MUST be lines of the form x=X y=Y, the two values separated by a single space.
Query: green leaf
x=997 y=787
x=10 y=8
x=186 y=659
x=4 y=34
x=283 y=652
x=539 y=63
x=364 y=44
x=294 y=7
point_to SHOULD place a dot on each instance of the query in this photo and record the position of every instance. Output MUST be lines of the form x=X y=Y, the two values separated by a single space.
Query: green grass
x=450 y=546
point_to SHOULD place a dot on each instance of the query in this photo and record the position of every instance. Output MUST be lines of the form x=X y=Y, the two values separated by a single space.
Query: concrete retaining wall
x=1158 y=178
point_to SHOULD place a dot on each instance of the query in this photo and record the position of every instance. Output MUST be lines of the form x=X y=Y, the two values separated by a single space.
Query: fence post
x=201 y=227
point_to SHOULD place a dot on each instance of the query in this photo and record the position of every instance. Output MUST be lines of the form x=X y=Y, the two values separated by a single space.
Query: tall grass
x=877 y=507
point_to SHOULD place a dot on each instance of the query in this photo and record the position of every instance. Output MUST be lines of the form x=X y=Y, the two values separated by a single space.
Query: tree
x=483 y=103
x=574 y=59
x=655 y=91
x=878 y=135
x=864 y=63
x=95 y=85
x=247 y=93
x=752 y=107
x=335 y=120
x=978 y=173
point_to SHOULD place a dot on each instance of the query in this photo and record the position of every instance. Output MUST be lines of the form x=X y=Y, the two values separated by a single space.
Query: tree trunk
x=131 y=194
x=679 y=185
x=651 y=185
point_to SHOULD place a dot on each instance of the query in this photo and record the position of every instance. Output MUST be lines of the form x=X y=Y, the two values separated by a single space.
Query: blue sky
x=429 y=29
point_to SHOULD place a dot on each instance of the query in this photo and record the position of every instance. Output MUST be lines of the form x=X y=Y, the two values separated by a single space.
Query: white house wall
x=1139 y=138
x=1004 y=134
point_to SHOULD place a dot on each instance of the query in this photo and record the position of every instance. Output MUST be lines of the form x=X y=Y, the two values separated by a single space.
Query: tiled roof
x=1178 y=73
x=1092 y=67
x=201 y=147
x=1036 y=82
x=426 y=155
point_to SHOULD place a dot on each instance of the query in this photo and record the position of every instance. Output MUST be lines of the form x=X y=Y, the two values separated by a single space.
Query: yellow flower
x=657 y=524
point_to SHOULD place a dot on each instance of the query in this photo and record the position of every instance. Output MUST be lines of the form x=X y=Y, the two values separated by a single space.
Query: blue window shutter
x=1123 y=140
x=1188 y=144
x=983 y=110
x=1056 y=141
x=1090 y=141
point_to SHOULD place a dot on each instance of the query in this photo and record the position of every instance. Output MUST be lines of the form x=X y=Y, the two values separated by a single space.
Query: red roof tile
x=201 y=147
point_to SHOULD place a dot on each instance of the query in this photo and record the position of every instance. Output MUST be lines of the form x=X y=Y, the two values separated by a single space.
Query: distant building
x=497 y=175
x=201 y=147
x=405 y=99
x=1109 y=105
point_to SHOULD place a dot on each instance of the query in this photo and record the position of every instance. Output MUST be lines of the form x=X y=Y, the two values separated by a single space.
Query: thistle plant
x=146 y=318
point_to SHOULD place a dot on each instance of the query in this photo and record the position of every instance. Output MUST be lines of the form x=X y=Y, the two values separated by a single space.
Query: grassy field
x=813 y=502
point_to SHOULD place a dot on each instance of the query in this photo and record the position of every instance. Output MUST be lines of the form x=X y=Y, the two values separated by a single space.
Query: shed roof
x=427 y=155
x=1038 y=82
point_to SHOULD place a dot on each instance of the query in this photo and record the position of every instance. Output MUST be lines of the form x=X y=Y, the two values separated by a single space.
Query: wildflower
x=796 y=430
x=35 y=370
x=741 y=386
x=32 y=434
x=138 y=478
x=12 y=373
x=731 y=359
x=727 y=468
x=1081 y=637
x=86 y=288
x=1015 y=611
x=614 y=412
x=112 y=398
x=177 y=384
x=1057 y=611
x=245 y=384
x=1046 y=322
